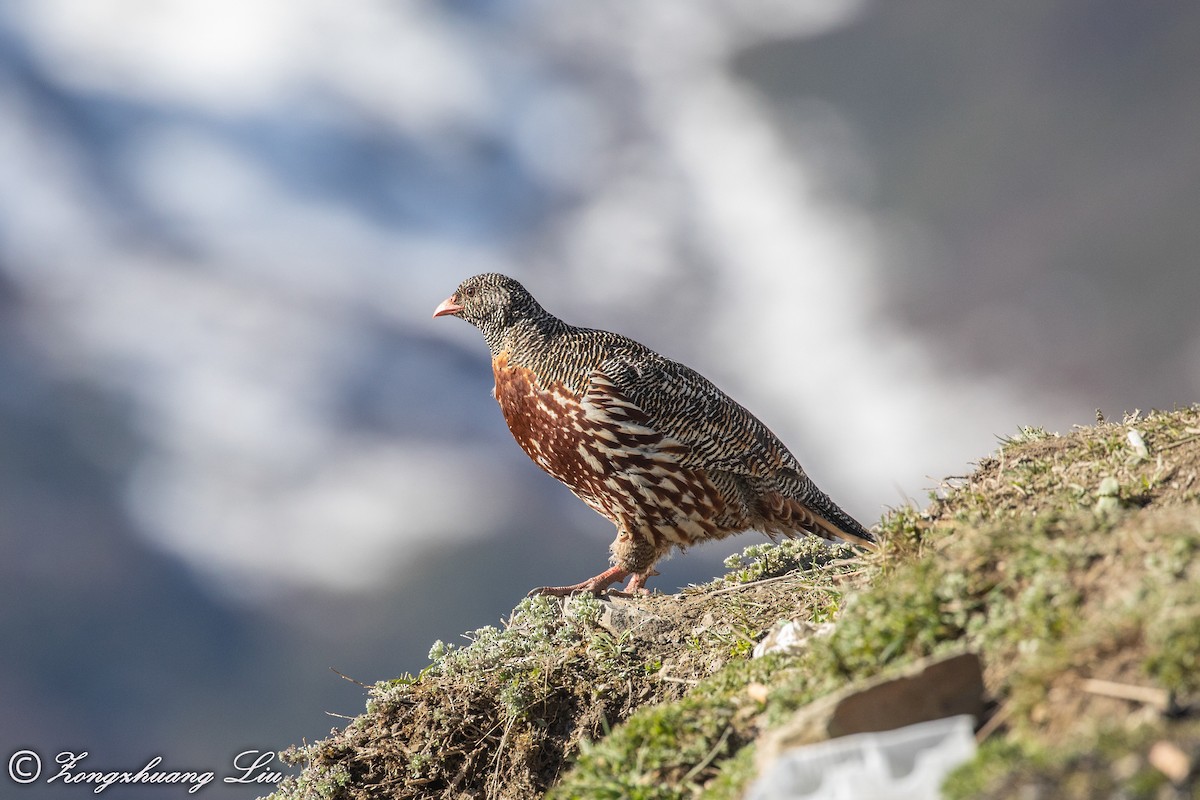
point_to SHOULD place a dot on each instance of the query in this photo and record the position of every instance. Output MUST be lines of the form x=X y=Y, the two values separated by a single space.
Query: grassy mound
x=1063 y=560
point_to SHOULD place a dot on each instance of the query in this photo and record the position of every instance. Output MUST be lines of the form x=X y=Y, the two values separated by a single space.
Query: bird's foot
x=637 y=585
x=595 y=585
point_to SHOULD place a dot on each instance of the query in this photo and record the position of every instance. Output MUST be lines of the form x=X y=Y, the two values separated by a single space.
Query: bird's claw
x=628 y=593
x=600 y=584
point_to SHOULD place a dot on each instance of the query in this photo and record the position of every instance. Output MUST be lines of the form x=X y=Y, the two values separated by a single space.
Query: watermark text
x=67 y=769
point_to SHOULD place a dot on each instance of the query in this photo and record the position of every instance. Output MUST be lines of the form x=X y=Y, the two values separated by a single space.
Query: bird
x=650 y=444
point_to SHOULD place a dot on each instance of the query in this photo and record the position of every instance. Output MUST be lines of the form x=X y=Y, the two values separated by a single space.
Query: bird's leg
x=594 y=585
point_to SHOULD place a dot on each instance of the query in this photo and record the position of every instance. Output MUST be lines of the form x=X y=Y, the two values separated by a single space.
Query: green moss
x=688 y=742
x=655 y=753
x=1110 y=762
x=734 y=775
x=1173 y=638
x=996 y=763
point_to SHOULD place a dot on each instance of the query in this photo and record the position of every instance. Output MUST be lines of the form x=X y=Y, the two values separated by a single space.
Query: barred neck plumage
x=524 y=338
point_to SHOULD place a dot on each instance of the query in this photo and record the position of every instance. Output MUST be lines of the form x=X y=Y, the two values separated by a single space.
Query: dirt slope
x=1061 y=559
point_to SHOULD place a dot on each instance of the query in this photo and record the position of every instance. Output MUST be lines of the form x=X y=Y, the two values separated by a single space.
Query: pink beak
x=448 y=306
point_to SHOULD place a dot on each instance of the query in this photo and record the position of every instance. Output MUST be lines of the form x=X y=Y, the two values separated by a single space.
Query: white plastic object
x=909 y=762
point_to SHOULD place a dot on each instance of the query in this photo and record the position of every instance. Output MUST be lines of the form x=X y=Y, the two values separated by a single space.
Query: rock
x=758 y=692
x=929 y=690
x=620 y=615
x=1171 y=761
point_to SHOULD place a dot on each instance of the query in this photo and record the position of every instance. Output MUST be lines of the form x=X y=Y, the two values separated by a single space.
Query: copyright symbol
x=25 y=766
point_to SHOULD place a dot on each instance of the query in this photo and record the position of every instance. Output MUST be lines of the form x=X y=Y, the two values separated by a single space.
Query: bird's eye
x=470 y=291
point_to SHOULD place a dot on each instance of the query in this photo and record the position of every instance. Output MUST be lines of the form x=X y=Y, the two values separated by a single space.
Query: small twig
x=1160 y=699
x=348 y=678
x=673 y=679
x=998 y=718
x=339 y=716
x=1178 y=443
x=842 y=562
x=495 y=779
x=738 y=587
x=712 y=755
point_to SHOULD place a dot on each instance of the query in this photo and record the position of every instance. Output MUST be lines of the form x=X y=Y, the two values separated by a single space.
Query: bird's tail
x=836 y=522
x=810 y=510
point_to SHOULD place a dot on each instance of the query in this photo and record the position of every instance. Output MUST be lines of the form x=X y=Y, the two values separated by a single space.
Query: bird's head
x=491 y=302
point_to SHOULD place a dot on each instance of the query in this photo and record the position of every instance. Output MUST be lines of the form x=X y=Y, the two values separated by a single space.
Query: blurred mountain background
x=236 y=451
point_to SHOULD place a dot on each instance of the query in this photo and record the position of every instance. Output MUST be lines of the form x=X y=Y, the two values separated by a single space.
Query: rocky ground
x=1067 y=563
